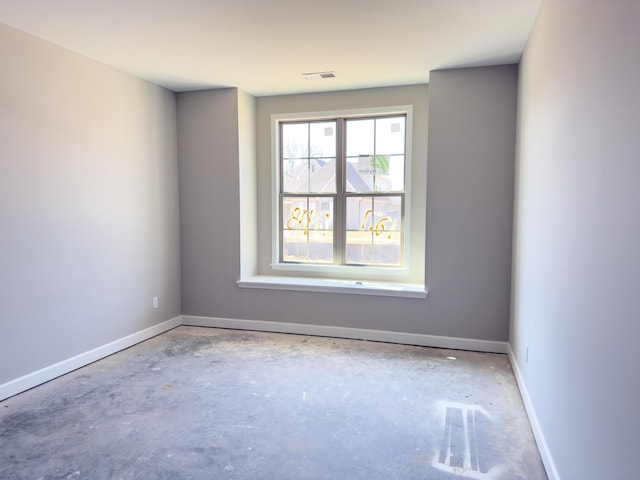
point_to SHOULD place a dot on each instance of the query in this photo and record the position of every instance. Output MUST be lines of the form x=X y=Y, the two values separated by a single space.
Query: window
x=341 y=205
x=341 y=190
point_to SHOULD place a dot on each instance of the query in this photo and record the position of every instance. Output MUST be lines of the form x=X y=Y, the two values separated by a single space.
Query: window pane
x=395 y=176
x=295 y=140
x=358 y=213
x=307 y=229
x=359 y=230
x=295 y=176
x=294 y=246
x=320 y=247
x=375 y=173
x=390 y=136
x=322 y=175
x=360 y=176
x=323 y=139
x=308 y=157
x=388 y=172
x=360 y=137
x=374 y=226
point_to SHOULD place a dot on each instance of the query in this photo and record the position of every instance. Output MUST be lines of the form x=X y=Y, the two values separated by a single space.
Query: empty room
x=319 y=240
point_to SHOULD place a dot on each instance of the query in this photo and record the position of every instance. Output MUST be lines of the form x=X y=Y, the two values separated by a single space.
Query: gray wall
x=472 y=117
x=468 y=217
x=577 y=232
x=208 y=158
x=88 y=204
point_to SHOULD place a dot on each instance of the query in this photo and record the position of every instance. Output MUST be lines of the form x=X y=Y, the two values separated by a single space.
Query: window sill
x=383 y=289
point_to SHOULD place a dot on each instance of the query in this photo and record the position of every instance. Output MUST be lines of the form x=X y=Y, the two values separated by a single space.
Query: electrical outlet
x=155 y=302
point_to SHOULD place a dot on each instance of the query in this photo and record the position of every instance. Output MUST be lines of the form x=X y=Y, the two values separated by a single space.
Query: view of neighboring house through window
x=342 y=191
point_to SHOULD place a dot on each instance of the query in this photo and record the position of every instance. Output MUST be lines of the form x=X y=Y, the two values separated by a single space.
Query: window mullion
x=375 y=131
x=339 y=225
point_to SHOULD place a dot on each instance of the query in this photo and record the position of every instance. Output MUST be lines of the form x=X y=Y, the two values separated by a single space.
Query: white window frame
x=341 y=272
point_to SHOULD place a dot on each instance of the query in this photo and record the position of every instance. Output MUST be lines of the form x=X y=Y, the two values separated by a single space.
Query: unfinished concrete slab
x=200 y=403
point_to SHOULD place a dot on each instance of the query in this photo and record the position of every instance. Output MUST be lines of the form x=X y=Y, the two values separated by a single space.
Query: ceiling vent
x=318 y=75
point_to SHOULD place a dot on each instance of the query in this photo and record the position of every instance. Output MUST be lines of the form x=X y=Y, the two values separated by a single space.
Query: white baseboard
x=545 y=453
x=43 y=375
x=352 y=333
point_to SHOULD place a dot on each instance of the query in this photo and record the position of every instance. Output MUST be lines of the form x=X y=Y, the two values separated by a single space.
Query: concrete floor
x=200 y=403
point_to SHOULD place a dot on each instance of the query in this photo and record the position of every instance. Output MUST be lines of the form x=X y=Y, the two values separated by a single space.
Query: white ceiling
x=263 y=46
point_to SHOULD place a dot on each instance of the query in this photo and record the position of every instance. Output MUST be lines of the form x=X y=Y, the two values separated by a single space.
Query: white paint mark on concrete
x=243 y=426
x=462 y=427
x=266 y=395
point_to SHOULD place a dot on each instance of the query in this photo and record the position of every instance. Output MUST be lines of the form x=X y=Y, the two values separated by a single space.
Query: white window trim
x=352 y=287
x=340 y=272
